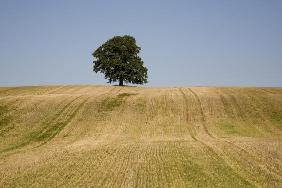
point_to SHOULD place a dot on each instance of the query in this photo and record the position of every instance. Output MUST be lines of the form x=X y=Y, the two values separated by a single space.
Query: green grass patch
x=38 y=136
x=227 y=127
x=276 y=116
x=109 y=104
x=126 y=95
x=49 y=133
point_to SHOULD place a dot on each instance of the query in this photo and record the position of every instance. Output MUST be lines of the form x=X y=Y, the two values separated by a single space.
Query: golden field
x=99 y=136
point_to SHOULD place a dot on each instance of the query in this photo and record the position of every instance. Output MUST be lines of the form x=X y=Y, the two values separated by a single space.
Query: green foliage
x=118 y=60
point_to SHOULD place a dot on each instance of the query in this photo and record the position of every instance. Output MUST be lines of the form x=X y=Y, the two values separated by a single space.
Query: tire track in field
x=34 y=135
x=219 y=155
x=229 y=108
x=186 y=114
x=262 y=166
x=252 y=110
x=54 y=125
x=120 y=167
x=182 y=157
x=110 y=91
x=68 y=114
x=255 y=103
x=60 y=124
x=203 y=117
x=225 y=104
x=234 y=100
x=209 y=148
x=39 y=136
x=115 y=168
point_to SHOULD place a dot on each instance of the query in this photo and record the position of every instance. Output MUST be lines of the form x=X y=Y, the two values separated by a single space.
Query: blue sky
x=184 y=42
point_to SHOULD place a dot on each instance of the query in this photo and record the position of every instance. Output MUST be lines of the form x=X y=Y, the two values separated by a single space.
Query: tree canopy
x=118 y=60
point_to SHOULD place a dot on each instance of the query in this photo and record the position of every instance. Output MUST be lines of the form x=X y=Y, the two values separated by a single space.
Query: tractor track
x=203 y=119
x=258 y=165
x=88 y=137
x=210 y=149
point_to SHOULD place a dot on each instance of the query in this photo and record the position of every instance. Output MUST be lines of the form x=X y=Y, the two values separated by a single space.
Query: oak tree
x=118 y=60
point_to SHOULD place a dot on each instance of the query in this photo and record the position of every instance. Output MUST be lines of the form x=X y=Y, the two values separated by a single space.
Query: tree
x=118 y=60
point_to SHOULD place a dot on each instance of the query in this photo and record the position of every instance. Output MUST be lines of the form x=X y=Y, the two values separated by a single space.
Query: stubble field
x=98 y=136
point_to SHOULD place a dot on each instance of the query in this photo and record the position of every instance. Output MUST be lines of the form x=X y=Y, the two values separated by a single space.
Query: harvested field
x=98 y=136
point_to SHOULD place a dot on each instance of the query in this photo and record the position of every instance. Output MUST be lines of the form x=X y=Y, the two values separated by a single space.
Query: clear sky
x=184 y=42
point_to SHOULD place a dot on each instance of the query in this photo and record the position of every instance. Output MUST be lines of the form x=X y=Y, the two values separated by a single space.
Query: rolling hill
x=140 y=137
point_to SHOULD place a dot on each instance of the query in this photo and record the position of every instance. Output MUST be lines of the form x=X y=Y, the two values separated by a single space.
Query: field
x=98 y=136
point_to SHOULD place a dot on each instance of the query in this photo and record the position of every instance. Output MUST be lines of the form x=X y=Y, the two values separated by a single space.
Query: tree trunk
x=120 y=82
